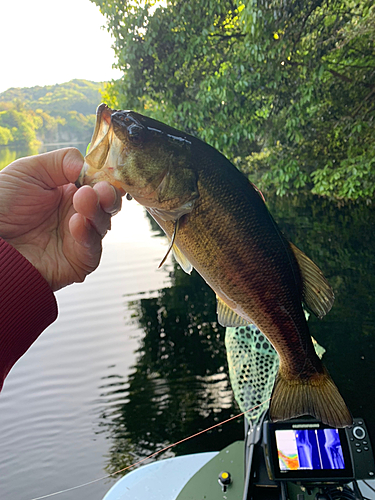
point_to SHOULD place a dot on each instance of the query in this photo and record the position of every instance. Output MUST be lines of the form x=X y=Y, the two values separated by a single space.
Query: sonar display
x=309 y=449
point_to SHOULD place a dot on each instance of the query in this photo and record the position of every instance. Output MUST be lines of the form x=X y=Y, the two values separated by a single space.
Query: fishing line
x=150 y=456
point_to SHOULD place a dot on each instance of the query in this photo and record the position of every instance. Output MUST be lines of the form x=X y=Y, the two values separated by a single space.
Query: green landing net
x=253 y=365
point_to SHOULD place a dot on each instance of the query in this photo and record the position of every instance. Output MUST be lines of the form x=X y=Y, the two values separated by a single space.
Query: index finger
x=109 y=197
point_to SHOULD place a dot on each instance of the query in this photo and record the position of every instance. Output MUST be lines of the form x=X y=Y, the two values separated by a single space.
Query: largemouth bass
x=218 y=223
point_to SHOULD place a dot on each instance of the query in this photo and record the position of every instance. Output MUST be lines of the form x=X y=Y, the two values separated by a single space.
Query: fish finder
x=305 y=450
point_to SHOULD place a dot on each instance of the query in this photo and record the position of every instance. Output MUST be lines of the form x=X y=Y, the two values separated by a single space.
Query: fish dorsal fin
x=182 y=260
x=317 y=292
x=226 y=316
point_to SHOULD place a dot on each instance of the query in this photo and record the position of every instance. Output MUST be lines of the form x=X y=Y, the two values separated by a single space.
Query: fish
x=218 y=223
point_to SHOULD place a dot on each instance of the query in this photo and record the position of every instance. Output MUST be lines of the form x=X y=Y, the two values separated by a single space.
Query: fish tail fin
x=316 y=396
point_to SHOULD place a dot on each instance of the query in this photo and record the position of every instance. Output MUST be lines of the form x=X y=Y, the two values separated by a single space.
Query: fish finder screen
x=309 y=449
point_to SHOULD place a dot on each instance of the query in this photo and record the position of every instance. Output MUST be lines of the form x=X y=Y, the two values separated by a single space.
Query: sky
x=44 y=42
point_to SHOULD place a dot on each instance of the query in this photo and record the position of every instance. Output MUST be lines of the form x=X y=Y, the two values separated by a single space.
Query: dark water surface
x=136 y=360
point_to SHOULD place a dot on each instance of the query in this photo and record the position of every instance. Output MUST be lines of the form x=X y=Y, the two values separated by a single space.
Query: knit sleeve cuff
x=27 y=306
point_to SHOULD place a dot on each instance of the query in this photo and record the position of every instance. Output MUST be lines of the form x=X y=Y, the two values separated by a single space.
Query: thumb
x=52 y=169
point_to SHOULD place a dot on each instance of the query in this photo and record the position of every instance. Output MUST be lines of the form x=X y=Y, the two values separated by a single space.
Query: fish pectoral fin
x=226 y=316
x=317 y=292
x=182 y=260
x=176 y=224
x=177 y=254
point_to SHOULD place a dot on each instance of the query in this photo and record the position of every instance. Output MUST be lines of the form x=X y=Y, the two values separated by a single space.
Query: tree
x=5 y=136
x=284 y=89
x=22 y=125
x=54 y=113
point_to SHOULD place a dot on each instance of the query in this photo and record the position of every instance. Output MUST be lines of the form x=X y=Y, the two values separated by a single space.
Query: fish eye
x=136 y=133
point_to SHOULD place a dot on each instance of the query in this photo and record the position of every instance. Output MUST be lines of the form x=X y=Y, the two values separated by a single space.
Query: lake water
x=136 y=360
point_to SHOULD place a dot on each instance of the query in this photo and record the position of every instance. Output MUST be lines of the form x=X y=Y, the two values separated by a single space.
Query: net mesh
x=253 y=365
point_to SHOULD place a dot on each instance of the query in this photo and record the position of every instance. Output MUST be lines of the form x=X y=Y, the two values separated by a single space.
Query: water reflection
x=7 y=155
x=341 y=239
x=179 y=385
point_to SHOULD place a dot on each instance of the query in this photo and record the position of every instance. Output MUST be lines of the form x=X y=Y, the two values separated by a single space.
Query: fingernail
x=115 y=210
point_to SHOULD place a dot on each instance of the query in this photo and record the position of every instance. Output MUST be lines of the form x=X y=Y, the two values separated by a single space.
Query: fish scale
x=205 y=235
x=218 y=223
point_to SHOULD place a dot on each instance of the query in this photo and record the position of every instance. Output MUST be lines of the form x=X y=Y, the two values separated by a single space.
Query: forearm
x=27 y=306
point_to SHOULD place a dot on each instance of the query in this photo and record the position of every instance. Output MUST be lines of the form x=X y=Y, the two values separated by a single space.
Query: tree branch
x=363 y=102
x=304 y=21
x=340 y=76
x=235 y=35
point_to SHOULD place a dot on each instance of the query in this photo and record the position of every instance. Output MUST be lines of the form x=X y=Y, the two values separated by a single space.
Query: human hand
x=58 y=228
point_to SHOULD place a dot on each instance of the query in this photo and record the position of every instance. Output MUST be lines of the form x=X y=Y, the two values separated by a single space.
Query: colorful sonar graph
x=288 y=462
x=287 y=450
x=313 y=449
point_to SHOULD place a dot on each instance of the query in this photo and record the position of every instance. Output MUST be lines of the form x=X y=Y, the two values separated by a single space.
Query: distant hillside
x=54 y=113
x=77 y=95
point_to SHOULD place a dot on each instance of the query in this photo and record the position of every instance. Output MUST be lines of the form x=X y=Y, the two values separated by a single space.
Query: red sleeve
x=27 y=306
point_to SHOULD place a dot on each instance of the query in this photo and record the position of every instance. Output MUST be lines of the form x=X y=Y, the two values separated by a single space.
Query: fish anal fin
x=182 y=260
x=226 y=316
x=317 y=292
x=316 y=396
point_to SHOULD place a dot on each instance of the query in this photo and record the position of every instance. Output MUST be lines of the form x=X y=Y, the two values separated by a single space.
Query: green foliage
x=55 y=113
x=77 y=121
x=82 y=96
x=5 y=136
x=20 y=126
x=287 y=88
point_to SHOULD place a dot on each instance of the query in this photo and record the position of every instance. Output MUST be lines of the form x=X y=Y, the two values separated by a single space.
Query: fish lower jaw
x=90 y=176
